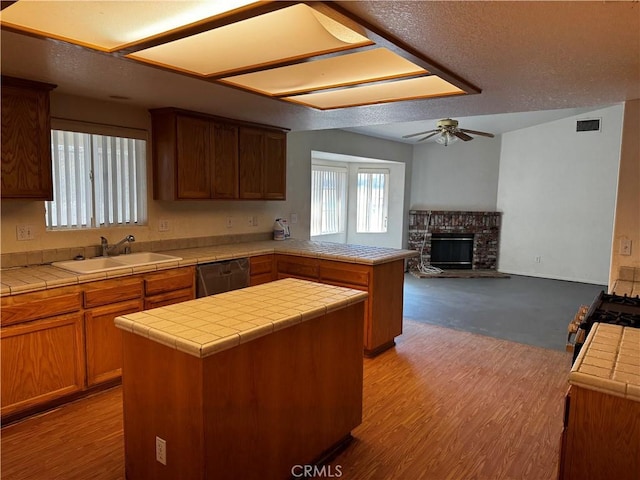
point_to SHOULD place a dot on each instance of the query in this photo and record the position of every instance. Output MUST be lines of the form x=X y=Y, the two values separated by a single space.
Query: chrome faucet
x=114 y=249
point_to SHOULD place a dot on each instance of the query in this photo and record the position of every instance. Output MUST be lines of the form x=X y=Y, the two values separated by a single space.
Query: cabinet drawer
x=169 y=280
x=347 y=274
x=169 y=298
x=112 y=291
x=260 y=265
x=34 y=306
x=297 y=267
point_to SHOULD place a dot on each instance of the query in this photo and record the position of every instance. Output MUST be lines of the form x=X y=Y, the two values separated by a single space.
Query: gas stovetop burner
x=621 y=300
x=615 y=318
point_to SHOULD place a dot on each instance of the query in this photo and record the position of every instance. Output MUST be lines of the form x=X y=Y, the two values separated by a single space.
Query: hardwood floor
x=444 y=404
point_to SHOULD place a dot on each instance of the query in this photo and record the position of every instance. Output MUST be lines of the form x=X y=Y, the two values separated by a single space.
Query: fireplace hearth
x=455 y=239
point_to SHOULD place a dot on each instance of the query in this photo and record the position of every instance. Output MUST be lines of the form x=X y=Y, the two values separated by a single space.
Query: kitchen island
x=245 y=384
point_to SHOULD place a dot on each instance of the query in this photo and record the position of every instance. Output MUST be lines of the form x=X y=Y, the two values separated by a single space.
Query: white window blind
x=373 y=194
x=328 y=199
x=98 y=181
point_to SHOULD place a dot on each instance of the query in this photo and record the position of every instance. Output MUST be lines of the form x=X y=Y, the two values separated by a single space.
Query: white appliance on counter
x=281 y=229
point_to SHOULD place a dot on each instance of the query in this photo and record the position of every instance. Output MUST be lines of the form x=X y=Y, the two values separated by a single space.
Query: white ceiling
x=558 y=58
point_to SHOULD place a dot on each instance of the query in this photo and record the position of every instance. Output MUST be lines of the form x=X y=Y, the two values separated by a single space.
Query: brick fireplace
x=483 y=226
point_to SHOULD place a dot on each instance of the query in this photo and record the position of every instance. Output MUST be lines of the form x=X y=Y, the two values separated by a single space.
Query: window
x=98 y=181
x=373 y=194
x=328 y=199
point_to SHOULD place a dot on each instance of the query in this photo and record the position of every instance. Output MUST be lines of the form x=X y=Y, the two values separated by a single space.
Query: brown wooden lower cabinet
x=384 y=283
x=62 y=342
x=600 y=438
x=42 y=361
x=169 y=286
x=261 y=269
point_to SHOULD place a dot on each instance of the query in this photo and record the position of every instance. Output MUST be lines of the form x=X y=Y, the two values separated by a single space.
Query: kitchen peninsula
x=237 y=386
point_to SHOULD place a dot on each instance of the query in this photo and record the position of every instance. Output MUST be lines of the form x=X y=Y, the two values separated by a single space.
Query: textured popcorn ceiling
x=524 y=56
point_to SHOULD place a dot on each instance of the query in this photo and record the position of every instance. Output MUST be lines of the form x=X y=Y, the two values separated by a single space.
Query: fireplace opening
x=452 y=251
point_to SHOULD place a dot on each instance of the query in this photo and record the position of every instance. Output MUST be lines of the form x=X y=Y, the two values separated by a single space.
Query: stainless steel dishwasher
x=218 y=277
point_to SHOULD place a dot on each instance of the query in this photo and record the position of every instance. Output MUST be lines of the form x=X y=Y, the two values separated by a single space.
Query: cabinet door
x=41 y=361
x=261 y=269
x=251 y=163
x=224 y=174
x=104 y=340
x=26 y=143
x=275 y=166
x=193 y=152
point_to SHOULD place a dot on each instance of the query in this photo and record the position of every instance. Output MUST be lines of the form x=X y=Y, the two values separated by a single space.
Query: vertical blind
x=98 y=181
x=328 y=199
x=373 y=193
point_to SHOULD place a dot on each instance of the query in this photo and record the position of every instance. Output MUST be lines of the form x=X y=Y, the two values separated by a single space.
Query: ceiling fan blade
x=463 y=136
x=428 y=136
x=475 y=132
x=419 y=133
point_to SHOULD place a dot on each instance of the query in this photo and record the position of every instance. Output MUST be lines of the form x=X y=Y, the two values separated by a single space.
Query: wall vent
x=589 y=125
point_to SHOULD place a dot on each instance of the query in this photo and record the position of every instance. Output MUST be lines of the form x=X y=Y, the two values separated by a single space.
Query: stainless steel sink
x=105 y=264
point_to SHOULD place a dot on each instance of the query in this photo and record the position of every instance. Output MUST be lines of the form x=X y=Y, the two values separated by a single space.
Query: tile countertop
x=628 y=282
x=207 y=325
x=41 y=277
x=609 y=361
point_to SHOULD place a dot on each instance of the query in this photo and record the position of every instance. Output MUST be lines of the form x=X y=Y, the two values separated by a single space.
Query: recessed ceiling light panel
x=408 y=89
x=346 y=69
x=109 y=25
x=290 y=33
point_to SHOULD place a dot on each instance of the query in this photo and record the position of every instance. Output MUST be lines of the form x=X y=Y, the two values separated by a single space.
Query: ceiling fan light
x=446 y=138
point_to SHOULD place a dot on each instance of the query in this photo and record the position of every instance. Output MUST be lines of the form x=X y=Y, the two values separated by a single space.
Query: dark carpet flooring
x=533 y=311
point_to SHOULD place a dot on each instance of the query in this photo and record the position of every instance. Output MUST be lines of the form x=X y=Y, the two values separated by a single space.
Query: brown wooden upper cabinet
x=196 y=156
x=263 y=164
x=193 y=157
x=26 y=139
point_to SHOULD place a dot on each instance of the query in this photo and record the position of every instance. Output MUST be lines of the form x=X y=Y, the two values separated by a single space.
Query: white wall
x=461 y=176
x=557 y=191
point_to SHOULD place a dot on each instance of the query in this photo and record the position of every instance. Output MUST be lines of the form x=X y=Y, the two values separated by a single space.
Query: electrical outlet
x=625 y=246
x=294 y=218
x=538 y=259
x=25 y=232
x=161 y=450
x=250 y=221
x=255 y=221
x=163 y=225
x=229 y=222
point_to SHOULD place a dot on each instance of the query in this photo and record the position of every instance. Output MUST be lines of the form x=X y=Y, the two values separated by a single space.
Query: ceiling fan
x=448 y=132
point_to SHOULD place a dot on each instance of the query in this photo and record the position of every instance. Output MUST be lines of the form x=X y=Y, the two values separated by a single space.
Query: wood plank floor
x=444 y=404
